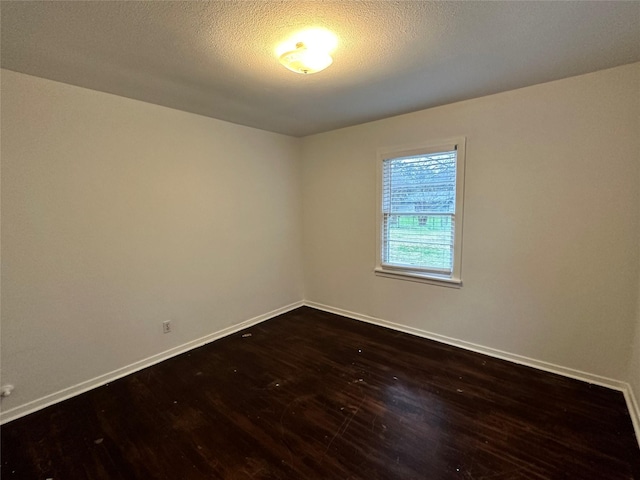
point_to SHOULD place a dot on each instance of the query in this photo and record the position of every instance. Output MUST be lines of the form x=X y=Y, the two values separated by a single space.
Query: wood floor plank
x=312 y=395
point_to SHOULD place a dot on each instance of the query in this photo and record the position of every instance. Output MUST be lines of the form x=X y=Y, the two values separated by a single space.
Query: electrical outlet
x=6 y=390
x=166 y=326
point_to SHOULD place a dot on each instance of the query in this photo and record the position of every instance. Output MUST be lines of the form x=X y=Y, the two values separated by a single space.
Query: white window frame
x=416 y=274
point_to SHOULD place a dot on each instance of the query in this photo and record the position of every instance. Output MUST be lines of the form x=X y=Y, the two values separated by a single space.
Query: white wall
x=117 y=215
x=551 y=226
x=633 y=373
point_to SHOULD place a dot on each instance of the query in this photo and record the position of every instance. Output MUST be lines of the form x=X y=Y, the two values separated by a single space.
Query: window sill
x=419 y=277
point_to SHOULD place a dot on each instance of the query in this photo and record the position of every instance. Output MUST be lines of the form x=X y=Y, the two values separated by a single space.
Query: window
x=420 y=200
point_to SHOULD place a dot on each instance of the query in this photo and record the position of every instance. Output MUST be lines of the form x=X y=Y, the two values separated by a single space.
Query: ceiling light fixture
x=306 y=60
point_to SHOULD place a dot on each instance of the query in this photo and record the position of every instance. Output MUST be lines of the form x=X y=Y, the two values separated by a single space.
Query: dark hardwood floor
x=311 y=395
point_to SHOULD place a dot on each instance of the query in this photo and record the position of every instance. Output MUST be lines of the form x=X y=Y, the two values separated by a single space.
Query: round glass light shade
x=305 y=60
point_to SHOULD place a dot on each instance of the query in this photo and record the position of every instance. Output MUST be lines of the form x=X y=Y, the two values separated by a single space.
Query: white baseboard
x=621 y=386
x=47 y=400
x=634 y=411
x=40 y=403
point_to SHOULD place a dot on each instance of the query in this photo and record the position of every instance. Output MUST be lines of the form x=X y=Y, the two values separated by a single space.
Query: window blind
x=418 y=210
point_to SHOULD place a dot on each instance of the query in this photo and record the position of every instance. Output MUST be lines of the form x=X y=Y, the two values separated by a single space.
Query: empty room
x=320 y=240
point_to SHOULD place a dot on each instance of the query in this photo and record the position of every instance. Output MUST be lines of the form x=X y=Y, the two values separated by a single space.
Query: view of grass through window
x=418 y=240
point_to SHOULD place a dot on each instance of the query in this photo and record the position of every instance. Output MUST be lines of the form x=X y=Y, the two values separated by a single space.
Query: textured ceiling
x=217 y=58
